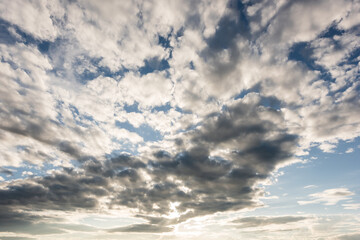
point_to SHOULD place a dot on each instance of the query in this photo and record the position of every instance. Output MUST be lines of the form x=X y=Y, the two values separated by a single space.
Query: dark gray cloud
x=216 y=183
x=200 y=182
x=41 y=130
x=250 y=222
x=198 y=179
x=22 y=222
x=6 y=171
x=232 y=26
x=15 y=221
x=65 y=191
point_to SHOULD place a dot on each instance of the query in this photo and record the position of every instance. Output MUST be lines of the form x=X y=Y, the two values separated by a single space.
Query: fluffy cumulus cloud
x=169 y=111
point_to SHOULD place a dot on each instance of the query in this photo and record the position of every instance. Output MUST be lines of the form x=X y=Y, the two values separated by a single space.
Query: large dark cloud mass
x=198 y=181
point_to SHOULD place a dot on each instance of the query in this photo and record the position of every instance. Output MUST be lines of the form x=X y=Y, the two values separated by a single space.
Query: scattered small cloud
x=27 y=173
x=328 y=147
x=349 y=150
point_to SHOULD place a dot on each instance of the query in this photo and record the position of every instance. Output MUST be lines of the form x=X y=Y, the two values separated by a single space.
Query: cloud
x=353 y=236
x=19 y=222
x=16 y=238
x=33 y=18
x=34 y=224
x=192 y=182
x=250 y=222
x=351 y=206
x=329 y=197
x=148 y=228
x=349 y=150
x=172 y=110
x=6 y=171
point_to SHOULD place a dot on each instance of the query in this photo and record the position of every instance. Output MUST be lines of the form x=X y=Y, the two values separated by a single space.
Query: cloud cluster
x=173 y=110
x=197 y=180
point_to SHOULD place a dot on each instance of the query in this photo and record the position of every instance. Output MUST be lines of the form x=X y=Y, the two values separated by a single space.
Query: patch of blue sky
x=165 y=41
x=88 y=68
x=163 y=108
x=191 y=65
x=180 y=33
x=182 y=111
x=116 y=153
x=6 y=36
x=271 y=102
x=332 y=31
x=323 y=171
x=10 y=37
x=126 y=148
x=303 y=52
x=352 y=59
x=28 y=170
x=17 y=35
x=243 y=93
x=81 y=119
x=229 y=27
x=59 y=116
x=144 y=130
x=132 y=108
x=153 y=65
x=117 y=75
x=44 y=46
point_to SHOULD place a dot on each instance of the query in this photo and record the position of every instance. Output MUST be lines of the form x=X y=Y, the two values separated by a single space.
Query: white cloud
x=294 y=22
x=328 y=147
x=33 y=17
x=27 y=173
x=349 y=150
x=328 y=197
x=351 y=206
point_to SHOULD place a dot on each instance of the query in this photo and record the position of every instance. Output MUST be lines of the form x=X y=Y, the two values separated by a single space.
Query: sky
x=195 y=119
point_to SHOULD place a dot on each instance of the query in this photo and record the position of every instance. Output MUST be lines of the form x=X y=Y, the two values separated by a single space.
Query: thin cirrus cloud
x=168 y=111
x=329 y=196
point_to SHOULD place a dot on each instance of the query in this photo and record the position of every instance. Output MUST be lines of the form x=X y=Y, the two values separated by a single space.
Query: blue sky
x=179 y=119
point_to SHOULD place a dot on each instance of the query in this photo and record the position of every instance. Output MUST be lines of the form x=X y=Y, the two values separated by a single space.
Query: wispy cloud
x=351 y=206
x=328 y=197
